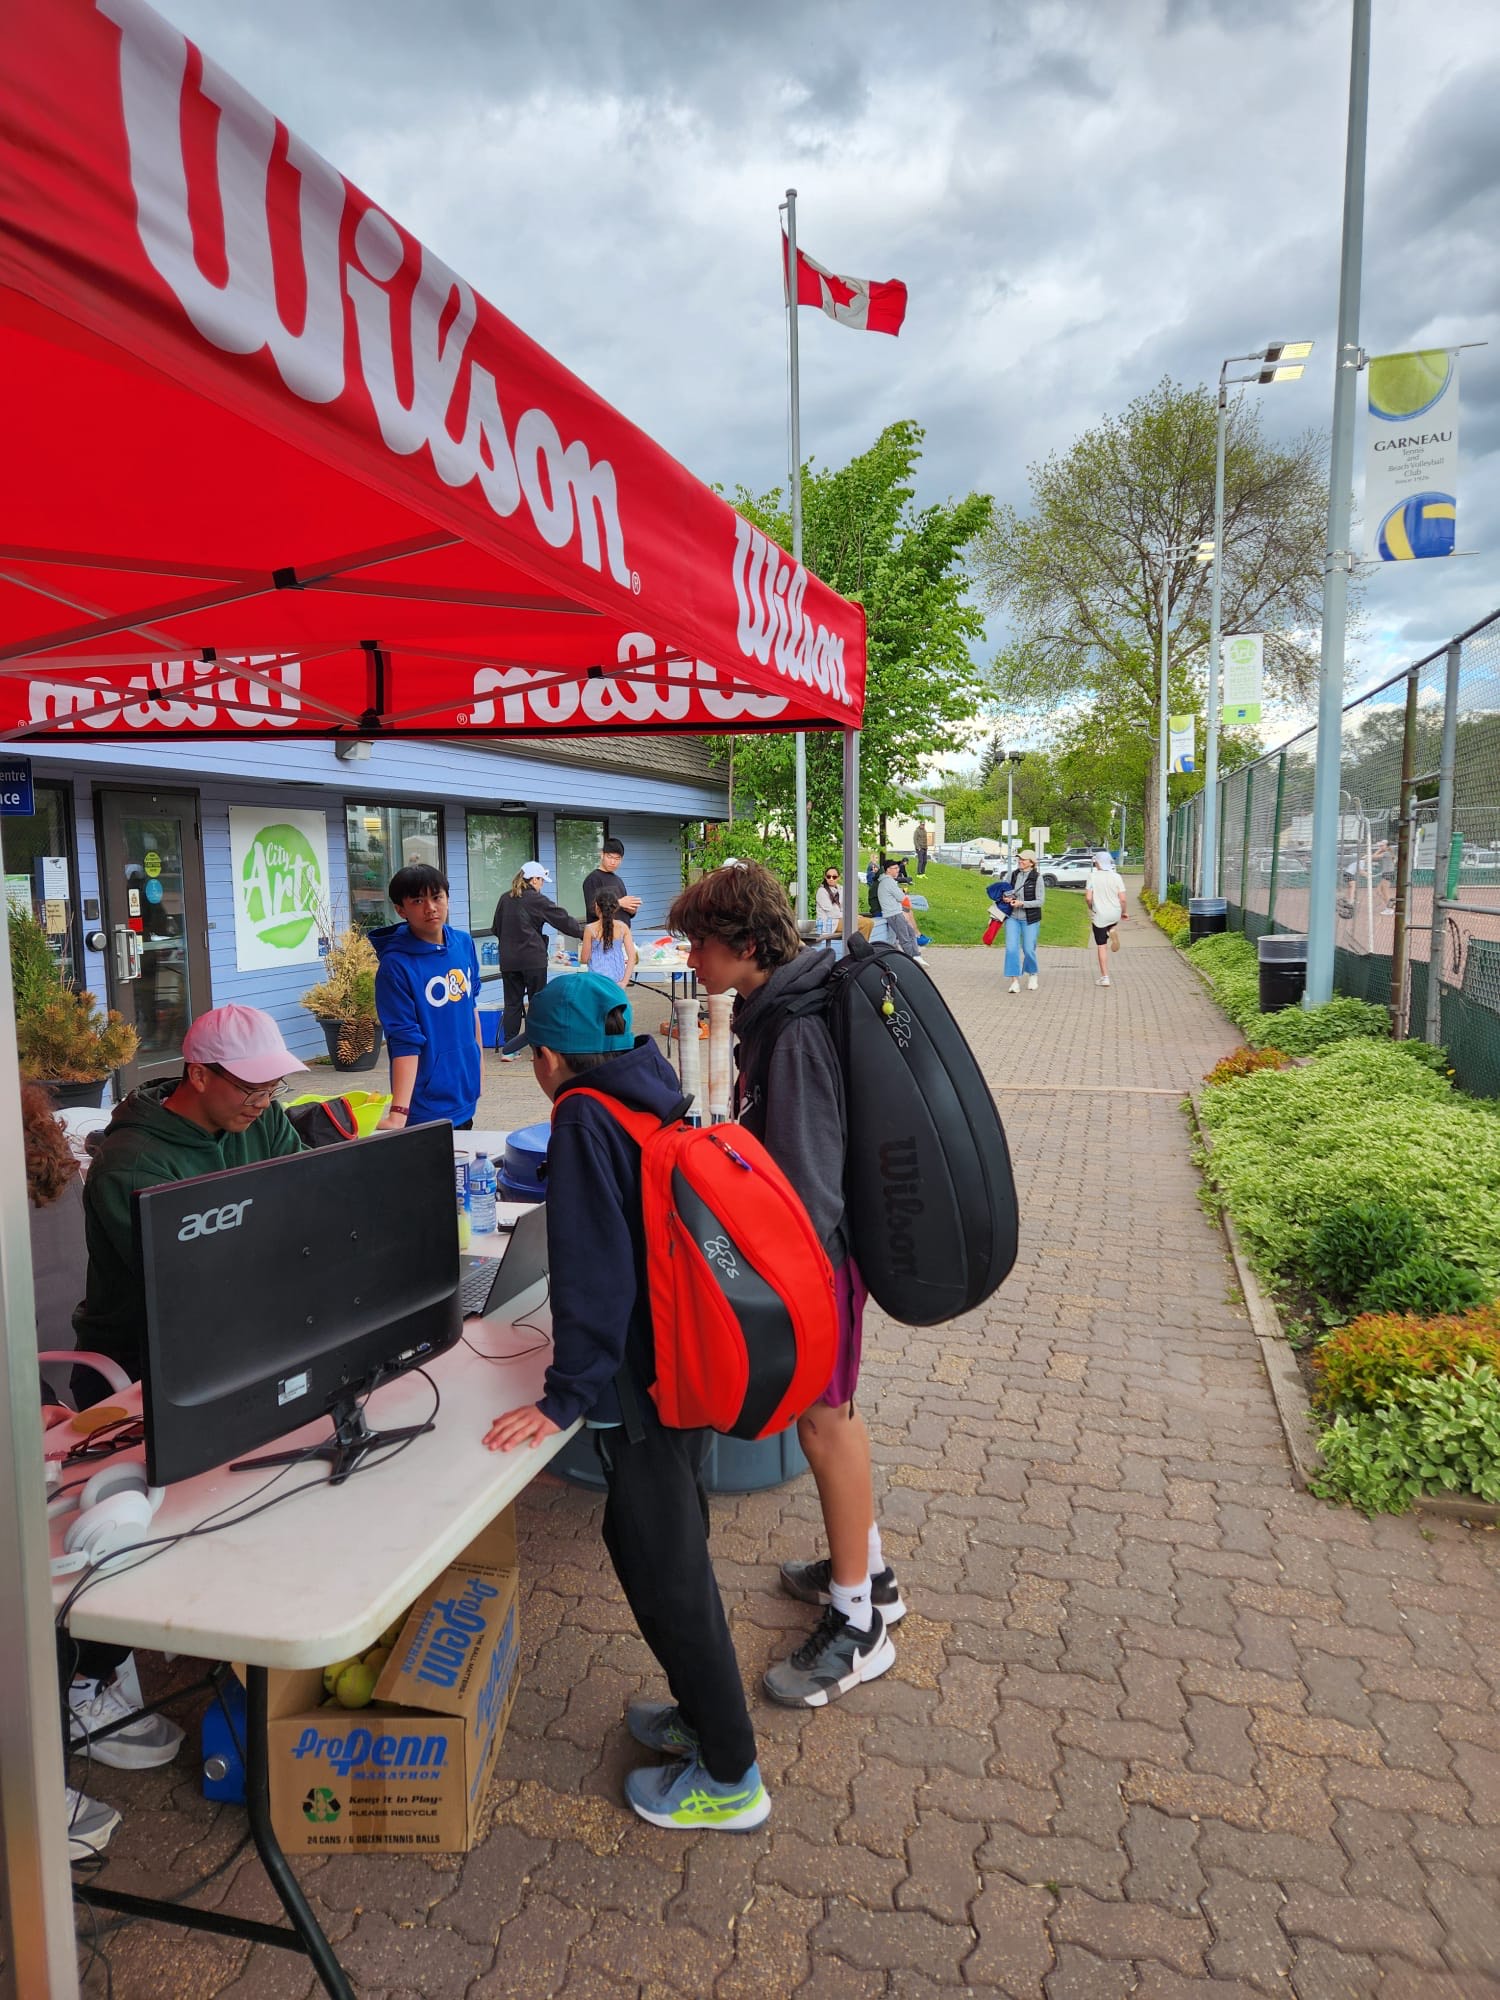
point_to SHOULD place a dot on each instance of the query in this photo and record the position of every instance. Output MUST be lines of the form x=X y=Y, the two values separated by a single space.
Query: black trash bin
x=1207 y=916
x=1283 y=970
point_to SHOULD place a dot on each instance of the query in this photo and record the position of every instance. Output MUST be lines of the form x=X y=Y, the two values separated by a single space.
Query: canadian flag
x=875 y=305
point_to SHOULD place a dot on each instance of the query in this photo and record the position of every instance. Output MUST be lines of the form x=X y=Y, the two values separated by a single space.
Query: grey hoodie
x=791 y=1092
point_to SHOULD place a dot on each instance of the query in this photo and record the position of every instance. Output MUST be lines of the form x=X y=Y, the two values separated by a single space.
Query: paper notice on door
x=55 y=916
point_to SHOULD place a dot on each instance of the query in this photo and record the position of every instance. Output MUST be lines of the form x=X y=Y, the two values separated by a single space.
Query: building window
x=381 y=839
x=497 y=844
x=41 y=874
x=578 y=844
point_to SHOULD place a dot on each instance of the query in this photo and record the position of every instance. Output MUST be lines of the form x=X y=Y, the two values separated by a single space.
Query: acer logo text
x=213 y=1221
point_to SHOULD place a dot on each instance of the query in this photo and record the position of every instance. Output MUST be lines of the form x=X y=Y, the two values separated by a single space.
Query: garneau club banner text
x=1180 y=733
x=1411 y=464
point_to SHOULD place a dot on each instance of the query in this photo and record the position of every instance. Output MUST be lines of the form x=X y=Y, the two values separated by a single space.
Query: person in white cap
x=222 y=1112
x=1104 y=892
x=520 y=917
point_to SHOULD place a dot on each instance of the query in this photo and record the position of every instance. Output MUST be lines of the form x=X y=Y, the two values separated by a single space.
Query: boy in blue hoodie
x=603 y=1364
x=426 y=996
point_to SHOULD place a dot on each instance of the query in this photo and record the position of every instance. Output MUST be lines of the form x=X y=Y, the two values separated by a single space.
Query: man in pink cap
x=222 y=1112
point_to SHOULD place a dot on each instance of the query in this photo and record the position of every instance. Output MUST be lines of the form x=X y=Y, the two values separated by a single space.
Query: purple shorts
x=849 y=1296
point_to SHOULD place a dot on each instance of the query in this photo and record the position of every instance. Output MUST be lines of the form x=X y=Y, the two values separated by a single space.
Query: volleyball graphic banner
x=1180 y=733
x=1411 y=466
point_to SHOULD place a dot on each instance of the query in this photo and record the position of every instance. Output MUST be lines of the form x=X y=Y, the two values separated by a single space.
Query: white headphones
x=114 y=1509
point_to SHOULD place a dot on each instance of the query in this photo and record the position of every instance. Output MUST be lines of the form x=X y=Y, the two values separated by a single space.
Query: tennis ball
x=392 y=1632
x=1404 y=385
x=355 y=1685
x=331 y=1673
x=376 y=1658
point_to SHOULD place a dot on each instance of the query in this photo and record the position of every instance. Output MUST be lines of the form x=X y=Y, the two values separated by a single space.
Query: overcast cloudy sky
x=1082 y=195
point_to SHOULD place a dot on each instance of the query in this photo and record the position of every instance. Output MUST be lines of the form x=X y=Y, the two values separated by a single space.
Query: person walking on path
x=608 y=947
x=1026 y=892
x=519 y=917
x=1104 y=892
x=919 y=842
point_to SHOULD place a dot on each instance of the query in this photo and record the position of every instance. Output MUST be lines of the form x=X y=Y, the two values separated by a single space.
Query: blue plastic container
x=523 y=1170
x=223 y=1740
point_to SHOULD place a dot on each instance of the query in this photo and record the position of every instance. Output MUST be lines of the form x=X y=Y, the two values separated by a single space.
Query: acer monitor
x=282 y=1292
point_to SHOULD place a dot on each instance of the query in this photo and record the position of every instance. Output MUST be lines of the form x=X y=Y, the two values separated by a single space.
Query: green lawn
x=959 y=908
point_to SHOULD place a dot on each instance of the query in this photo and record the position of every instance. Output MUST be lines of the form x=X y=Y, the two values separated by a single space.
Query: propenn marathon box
x=408 y=1773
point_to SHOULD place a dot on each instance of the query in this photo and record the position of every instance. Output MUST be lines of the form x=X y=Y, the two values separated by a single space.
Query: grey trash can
x=1207 y=916
x=732 y=1466
x=1283 y=970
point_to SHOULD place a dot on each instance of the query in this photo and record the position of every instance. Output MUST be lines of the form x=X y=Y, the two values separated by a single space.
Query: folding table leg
x=275 y=1863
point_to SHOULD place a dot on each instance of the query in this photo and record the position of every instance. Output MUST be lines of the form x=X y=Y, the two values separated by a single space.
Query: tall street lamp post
x=1280 y=362
x=1012 y=758
x=1201 y=552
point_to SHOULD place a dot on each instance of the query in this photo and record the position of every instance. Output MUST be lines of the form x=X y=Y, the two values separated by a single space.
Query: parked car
x=968 y=853
x=1069 y=870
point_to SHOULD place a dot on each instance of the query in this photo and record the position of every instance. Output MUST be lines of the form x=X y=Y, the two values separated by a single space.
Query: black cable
x=543 y=1340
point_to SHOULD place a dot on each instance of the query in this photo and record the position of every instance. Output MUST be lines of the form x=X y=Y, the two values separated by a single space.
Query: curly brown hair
x=49 y=1158
x=740 y=906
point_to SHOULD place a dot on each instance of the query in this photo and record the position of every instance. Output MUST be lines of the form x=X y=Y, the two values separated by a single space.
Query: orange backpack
x=742 y=1294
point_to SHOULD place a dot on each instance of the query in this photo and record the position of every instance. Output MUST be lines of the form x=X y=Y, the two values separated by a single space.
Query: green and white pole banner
x=1244 y=657
x=1411 y=466
x=279 y=866
x=1180 y=735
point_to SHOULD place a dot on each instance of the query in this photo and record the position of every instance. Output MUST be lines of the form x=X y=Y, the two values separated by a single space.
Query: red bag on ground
x=742 y=1294
x=993 y=929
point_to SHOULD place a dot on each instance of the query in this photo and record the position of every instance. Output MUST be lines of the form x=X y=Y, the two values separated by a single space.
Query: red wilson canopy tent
x=270 y=465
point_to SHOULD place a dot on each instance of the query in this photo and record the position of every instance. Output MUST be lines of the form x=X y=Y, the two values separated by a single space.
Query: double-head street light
x=1280 y=362
x=1201 y=552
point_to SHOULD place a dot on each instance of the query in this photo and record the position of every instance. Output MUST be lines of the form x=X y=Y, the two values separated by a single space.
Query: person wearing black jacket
x=602 y=1368
x=1025 y=892
x=519 y=916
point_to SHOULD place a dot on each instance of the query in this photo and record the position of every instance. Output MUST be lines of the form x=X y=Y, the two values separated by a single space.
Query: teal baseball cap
x=569 y=1013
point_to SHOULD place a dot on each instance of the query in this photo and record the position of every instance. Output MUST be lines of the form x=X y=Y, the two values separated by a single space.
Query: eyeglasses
x=253 y=1093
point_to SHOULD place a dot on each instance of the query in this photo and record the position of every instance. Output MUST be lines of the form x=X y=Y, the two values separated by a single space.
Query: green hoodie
x=144 y=1145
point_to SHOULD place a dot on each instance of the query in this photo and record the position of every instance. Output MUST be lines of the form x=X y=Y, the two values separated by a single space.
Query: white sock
x=876 y=1559
x=853 y=1599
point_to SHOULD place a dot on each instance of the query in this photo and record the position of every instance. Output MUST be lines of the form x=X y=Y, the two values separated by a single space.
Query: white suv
x=1070 y=870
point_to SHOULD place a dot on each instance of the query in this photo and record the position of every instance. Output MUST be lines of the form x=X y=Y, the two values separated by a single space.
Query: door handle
x=127 y=953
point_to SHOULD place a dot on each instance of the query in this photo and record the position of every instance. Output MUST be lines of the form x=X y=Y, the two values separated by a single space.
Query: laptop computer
x=491 y=1287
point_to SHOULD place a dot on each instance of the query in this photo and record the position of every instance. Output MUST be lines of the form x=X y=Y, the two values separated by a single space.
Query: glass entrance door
x=154 y=915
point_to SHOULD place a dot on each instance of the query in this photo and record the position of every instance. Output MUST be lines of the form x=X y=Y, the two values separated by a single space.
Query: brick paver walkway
x=1159 y=1725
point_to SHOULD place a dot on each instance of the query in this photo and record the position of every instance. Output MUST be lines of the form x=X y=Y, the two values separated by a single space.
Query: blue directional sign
x=15 y=786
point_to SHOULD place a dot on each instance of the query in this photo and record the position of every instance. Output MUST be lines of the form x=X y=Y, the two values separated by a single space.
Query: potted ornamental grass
x=63 y=1039
x=344 y=1001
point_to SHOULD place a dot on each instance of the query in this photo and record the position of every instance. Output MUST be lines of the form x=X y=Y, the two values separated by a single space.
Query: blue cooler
x=522 y=1173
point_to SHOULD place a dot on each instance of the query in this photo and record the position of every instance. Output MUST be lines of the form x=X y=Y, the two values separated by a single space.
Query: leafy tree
x=863 y=534
x=1080 y=574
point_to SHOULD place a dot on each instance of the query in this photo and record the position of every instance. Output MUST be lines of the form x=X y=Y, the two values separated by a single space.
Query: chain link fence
x=1418 y=849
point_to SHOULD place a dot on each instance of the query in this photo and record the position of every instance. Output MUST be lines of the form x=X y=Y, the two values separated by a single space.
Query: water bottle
x=482 y=1196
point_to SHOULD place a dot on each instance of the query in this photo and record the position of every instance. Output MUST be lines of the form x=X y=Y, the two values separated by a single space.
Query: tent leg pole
x=36 y=1907
x=851 y=833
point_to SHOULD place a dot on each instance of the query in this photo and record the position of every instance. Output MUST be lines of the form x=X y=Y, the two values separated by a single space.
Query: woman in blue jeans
x=1026 y=892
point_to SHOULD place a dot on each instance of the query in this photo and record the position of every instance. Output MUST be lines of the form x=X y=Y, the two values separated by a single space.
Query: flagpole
x=799 y=886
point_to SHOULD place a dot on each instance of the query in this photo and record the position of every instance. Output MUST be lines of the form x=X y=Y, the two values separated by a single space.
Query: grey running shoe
x=833 y=1659
x=659 y=1725
x=810 y=1582
x=90 y=1824
x=140 y=1746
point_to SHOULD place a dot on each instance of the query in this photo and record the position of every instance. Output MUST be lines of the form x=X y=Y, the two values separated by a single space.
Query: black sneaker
x=833 y=1659
x=810 y=1581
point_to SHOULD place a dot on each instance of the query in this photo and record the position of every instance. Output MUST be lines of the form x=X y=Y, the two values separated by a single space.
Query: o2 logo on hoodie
x=446 y=989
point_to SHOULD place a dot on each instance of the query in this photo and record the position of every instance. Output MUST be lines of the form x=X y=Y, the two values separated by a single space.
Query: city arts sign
x=276 y=261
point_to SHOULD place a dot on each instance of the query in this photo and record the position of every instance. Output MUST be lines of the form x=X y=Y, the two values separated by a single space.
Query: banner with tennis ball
x=1180 y=735
x=1411 y=465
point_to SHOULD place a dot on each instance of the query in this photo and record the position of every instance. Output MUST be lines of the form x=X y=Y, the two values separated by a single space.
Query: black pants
x=656 y=1531
x=921 y=860
x=520 y=988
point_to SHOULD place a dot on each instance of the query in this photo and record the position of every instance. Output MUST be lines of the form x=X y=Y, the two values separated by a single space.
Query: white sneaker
x=917 y=959
x=140 y=1746
x=90 y=1824
x=1031 y=984
x=1014 y=986
x=1103 y=980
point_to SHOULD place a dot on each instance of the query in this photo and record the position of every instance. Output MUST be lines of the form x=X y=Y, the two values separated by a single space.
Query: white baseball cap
x=242 y=1040
x=535 y=872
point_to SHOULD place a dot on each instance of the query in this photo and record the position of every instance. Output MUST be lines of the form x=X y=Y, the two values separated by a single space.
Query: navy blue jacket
x=425 y=995
x=596 y=1239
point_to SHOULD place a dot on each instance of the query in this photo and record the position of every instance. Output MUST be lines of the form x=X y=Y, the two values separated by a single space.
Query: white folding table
x=319 y=1576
